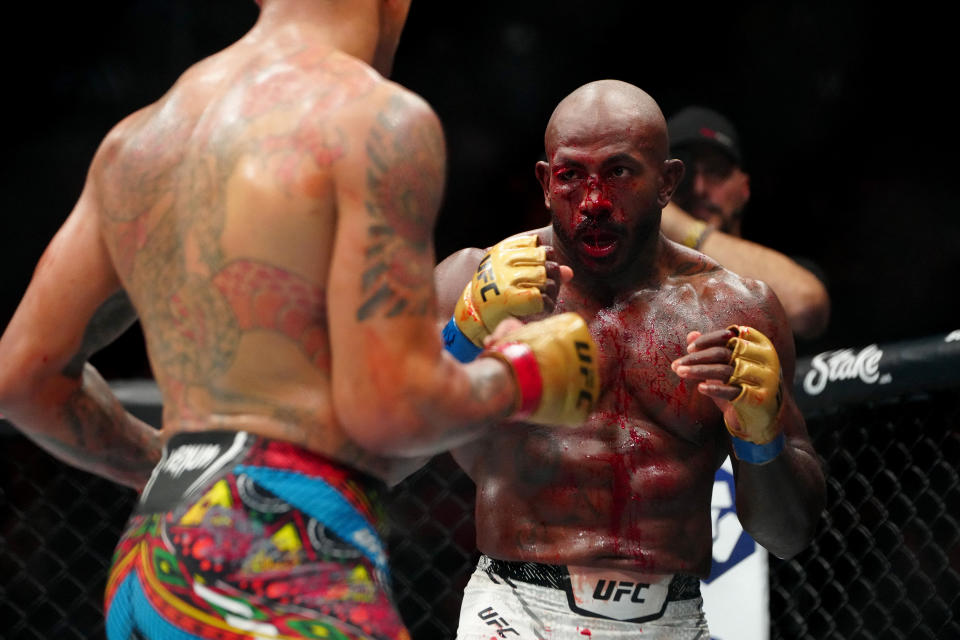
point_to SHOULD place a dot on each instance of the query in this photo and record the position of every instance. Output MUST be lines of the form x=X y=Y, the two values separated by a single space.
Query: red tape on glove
x=526 y=370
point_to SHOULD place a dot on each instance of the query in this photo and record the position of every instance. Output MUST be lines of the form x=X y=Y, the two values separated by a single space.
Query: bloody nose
x=595 y=201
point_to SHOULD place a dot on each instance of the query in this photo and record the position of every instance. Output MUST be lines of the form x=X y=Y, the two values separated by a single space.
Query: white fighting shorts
x=532 y=601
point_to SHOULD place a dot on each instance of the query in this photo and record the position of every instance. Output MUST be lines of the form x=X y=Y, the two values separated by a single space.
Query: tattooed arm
x=395 y=390
x=73 y=306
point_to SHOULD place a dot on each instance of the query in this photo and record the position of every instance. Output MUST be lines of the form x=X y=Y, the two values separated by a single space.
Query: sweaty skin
x=269 y=221
x=631 y=487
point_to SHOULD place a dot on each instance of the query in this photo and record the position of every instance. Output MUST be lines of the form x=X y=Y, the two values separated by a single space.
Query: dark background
x=847 y=115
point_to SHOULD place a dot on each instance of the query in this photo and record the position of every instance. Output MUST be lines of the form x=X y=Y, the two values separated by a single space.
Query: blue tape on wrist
x=758 y=453
x=458 y=344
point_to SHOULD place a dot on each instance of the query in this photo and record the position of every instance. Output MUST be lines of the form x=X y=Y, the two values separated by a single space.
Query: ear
x=672 y=174
x=543 y=177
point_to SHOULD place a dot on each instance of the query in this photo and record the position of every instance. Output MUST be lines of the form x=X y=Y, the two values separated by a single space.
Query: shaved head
x=608 y=105
x=606 y=178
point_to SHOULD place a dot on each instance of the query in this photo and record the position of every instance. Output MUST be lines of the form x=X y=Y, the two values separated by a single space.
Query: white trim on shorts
x=494 y=608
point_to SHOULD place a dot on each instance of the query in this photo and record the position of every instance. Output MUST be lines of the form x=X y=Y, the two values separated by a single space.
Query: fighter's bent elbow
x=809 y=312
x=22 y=375
x=810 y=321
x=791 y=543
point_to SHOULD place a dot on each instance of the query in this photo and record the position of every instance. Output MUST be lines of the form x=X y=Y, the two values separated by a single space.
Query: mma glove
x=507 y=282
x=757 y=437
x=554 y=363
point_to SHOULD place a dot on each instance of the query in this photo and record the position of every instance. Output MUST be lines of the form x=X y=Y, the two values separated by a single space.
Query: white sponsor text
x=844 y=364
x=189 y=457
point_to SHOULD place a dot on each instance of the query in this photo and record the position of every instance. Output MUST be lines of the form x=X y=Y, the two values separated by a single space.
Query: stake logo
x=844 y=364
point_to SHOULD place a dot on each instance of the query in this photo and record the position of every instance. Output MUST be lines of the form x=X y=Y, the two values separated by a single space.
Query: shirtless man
x=604 y=529
x=269 y=221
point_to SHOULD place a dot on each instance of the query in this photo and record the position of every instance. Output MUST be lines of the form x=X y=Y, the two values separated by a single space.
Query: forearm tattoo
x=100 y=436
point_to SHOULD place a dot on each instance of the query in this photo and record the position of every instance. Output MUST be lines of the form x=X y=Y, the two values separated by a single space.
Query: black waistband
x=682 y=587
x=192 y=461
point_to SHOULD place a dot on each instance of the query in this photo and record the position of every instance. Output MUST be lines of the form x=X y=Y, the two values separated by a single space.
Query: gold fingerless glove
x=756 y=369
x=507 y=283
x=554 y=362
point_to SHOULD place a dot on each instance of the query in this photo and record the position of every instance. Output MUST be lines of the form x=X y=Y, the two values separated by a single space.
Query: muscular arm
x=779 y=502
x=73 y=306
x=803 y=296
x=396 y=391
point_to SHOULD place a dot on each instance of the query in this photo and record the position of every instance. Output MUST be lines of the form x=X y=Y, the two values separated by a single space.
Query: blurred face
x=714 y=188
x=605 y=191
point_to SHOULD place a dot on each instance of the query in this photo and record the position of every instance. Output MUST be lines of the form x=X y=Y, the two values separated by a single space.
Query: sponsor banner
x=826 y=380
x=736 y=595
x=855 y=375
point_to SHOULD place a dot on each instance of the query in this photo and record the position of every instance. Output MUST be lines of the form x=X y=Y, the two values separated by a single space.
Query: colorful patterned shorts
x=238 y=537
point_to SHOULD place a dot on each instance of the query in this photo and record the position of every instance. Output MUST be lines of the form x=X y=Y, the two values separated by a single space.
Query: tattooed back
x=230 y=207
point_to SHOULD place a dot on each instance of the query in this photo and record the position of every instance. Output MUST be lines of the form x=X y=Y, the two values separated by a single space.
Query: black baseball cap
x=696 y=124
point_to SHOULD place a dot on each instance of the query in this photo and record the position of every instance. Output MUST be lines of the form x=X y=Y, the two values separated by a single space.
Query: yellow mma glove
x=507 y=283
x=756 y=369
x=554 y=363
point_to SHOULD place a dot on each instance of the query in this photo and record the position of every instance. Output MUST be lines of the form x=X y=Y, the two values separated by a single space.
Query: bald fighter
x=604 y=529
x=269 y=221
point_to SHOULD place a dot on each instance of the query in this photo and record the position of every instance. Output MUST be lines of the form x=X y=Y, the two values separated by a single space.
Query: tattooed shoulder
x=406 y=167
x=405 y=171
x=695 y=265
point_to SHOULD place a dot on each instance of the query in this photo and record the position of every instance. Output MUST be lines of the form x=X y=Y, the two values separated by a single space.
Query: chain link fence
x=886 y=559
x=885 y=562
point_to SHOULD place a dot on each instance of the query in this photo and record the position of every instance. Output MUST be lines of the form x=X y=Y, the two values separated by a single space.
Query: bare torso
x=219 y=212
x=631 y=488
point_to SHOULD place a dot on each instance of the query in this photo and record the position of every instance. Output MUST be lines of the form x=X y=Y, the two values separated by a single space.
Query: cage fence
x=885 y=562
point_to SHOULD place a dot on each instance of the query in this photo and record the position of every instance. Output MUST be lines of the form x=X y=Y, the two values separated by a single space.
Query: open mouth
x=597 y=243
